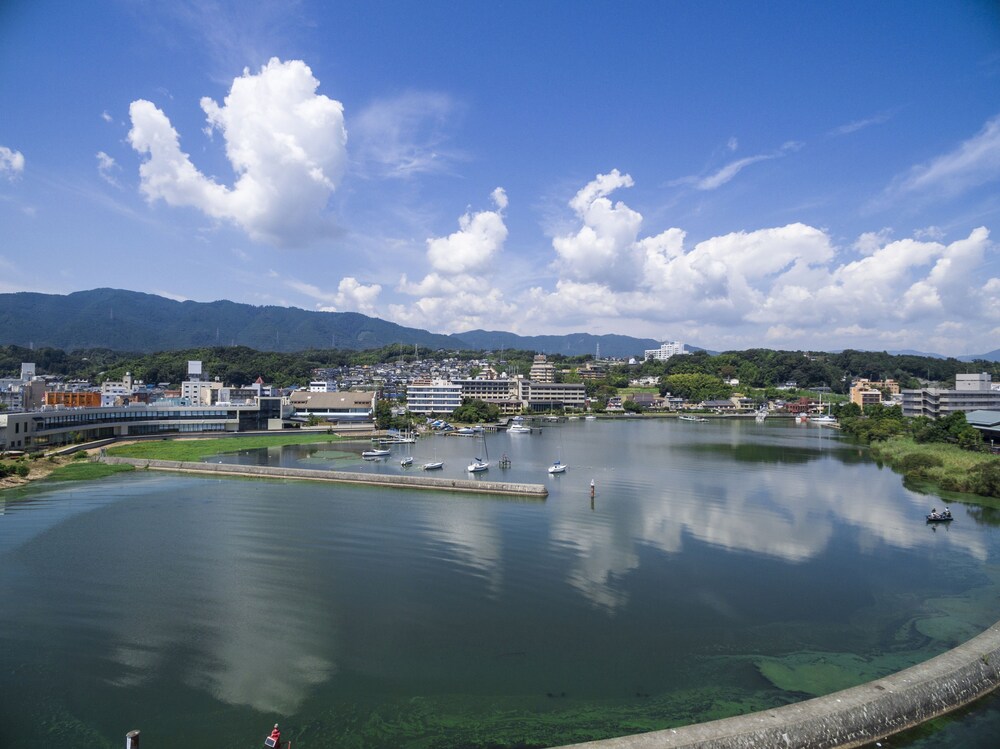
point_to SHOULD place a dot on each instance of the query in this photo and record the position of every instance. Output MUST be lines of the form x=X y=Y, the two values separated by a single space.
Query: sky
x=787 y=175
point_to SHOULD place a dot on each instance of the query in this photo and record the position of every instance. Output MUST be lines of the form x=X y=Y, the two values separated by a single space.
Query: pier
x=526 y=491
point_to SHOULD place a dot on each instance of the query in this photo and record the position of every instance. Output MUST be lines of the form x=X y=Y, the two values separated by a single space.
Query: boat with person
x=940 y=517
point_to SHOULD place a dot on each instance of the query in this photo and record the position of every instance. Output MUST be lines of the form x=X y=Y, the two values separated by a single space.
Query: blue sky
x=733 y=175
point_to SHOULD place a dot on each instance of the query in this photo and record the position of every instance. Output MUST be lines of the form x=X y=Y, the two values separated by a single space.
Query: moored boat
x=372 y=454
x=434 y=465
x=557 y=467
x=407 y=461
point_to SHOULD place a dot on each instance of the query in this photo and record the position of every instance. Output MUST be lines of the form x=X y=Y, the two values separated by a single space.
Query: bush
x=985 y=479
x=22 y=469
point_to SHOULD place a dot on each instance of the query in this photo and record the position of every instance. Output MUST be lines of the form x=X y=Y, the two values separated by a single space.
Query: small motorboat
x=940 y=517
x=372 y=454
x=407 y=461
x=433 y=465
x=557 y=467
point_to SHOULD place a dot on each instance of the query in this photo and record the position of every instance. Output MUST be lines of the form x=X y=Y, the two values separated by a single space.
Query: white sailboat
x=557 y=467
x=479 y=464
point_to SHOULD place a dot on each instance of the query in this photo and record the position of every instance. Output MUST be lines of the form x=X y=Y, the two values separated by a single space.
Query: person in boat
x=934 y=512
x=946 y=513
x=276 y=736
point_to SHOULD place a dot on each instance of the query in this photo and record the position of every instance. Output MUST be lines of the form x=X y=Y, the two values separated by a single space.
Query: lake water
x=722 y=567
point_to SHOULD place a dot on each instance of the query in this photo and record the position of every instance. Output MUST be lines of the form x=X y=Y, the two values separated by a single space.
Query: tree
x=383 y=414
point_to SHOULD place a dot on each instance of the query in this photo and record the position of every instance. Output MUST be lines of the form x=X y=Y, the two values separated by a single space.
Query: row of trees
x=757 y=368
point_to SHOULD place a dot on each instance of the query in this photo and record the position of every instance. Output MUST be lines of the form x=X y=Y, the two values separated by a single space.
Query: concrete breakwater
x=849 y=718
x=528 y=491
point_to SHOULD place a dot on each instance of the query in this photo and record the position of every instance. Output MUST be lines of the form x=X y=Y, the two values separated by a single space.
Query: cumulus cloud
x=792 y=281
x=603 y=247
x=458 y=294
x=974 y=162
x=106 y=167
x=480 y=236
x=11 y=163
x=286 y=145
x=351 y=295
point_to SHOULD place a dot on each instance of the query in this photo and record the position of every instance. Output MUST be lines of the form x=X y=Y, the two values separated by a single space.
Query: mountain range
x=133 y=321
x=143 y=323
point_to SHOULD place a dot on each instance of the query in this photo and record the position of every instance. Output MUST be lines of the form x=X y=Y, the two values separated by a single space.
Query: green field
x=199 y=449
x=84 y=471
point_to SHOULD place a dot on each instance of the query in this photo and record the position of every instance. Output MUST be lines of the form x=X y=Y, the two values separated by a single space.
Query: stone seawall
x=529 y=491
x=849 y=718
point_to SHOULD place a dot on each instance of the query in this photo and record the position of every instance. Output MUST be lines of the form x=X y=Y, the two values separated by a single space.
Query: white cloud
x=480 y=236
x=106 y=167
x=351 y=295
x=286 y=144
x=603 y=248
x=791 y=281
x=458 y=293
x=106 y=117
x=853 y=127
x=973 y=163
x=406 y=135
x=726 y=173
x=11 y=163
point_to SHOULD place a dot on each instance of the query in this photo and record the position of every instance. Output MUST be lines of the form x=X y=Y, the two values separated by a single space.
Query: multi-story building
x=73 y=399
x=339 y=407
x=972 y=392
x=542 y=370
x=433 y=397
x=865 y=392
x=501 y=392
x=43 y=429
x=551 y=396
x=666 y=350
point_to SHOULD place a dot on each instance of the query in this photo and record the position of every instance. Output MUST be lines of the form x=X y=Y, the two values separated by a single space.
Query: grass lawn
x=84 y=471
x=199 y=449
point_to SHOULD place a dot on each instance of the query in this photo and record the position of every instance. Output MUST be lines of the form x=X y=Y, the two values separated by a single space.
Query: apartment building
x=433 y=396
x=866 y=392
x=972 y=392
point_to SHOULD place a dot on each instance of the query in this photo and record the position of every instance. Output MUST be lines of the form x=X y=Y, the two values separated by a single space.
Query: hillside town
x=39 y=411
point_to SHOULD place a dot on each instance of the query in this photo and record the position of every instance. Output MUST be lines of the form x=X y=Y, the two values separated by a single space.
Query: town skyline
x=785 y=177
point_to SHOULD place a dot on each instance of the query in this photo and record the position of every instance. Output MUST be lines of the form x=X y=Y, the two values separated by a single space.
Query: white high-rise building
x=666 y=350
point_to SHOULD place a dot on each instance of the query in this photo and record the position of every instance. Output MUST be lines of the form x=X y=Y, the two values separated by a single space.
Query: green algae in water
x=460 y=722
x=816 y=674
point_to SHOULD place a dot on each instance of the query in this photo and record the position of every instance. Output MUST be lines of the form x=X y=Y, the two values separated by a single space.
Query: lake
x=720 y=568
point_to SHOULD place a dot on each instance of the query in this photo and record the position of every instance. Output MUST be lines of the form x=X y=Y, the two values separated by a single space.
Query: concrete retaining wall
x=850 y=718
x=531 y=491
